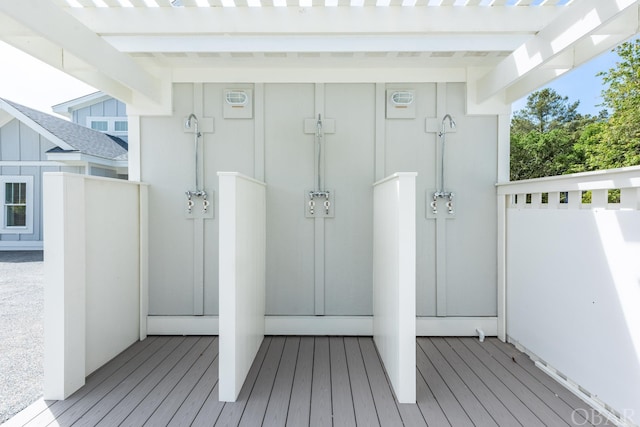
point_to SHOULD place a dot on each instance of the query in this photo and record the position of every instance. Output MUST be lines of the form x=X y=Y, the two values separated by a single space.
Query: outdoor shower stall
x=318 y=149
x=313 y=209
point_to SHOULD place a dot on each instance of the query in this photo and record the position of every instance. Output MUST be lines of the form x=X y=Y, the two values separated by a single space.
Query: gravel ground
x=21 y=331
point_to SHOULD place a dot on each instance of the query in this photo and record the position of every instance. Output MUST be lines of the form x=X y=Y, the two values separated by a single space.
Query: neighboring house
x=97 y=111
x=32 y=143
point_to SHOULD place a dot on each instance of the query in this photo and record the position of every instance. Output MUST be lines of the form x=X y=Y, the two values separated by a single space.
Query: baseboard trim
x=324 y=325
x=182 y=325
x=456 y=326
x=319 y=325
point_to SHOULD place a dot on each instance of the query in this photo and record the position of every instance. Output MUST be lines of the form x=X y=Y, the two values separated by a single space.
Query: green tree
x=620 y=138
x=536 y=154
x=545 y=110
x=549 y=137
x=544 y=135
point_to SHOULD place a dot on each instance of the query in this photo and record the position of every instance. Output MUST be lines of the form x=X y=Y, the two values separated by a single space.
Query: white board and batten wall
x=318 y=271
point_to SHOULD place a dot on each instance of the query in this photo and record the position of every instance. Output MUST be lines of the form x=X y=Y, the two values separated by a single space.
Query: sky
x=581 y=84
x=30 y=82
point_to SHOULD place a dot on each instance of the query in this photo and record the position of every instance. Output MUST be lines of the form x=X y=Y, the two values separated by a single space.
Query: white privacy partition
x=394 y=280
x=92 y=247
x=573 y=283
x=242 y=278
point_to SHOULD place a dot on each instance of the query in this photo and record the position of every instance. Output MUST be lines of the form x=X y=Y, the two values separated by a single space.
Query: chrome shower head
x=192 y=116
x=452 y=123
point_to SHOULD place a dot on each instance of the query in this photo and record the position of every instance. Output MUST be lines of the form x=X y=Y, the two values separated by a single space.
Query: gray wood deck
x=318 y=381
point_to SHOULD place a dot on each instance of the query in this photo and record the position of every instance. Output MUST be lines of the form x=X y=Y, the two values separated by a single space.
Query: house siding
x=108 y=108
x=19 y=143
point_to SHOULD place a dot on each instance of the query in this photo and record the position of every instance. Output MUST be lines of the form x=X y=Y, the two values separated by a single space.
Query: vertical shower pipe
x=197 y=192
x=198 y=220
x=441 y=193
x=318 y=219
x=319 y=143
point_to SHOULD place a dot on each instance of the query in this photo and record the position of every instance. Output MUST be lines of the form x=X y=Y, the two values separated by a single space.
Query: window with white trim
x=118 y=126
x=16 y=194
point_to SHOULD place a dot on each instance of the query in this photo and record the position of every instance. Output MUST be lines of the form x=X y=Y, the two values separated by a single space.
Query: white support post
x=64 y=310
x=144 y=259
x=394 y=280
x=502 y=269
x=242 y=278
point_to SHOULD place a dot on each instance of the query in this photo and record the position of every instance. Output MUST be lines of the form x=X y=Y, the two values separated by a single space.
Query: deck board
x=321 y=411
x=118 y=368
x=427 y=403
x=131 y=391
x=492 y=380
x=141 y=403
x=498 y=411
x=363 y=405
x=563 y=393
x=298 y=381
x=161 y=405
x=203 y=388
x=551 y=399
x=300 y=403
x=122 y=382
x=277 y=408
x=383 y=398
x=232 y=412
x=452 y=409
x=342 y=400
x=260 y=395
x=467 y=399
x=515 y=384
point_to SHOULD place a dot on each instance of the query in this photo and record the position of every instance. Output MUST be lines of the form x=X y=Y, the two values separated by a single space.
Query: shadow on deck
x=298 y=381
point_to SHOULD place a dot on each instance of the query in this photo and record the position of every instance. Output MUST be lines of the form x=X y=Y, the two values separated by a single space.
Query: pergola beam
x=572 y=28
x=315 y=43
x=326 y=21
x=59 y=29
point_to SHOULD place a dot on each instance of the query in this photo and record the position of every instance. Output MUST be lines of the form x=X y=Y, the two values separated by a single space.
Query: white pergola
x=135 y=49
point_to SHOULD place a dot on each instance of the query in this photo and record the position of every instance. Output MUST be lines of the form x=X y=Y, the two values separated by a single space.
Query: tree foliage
x=544 y=135
x=549 y=137
x=620 y=145
x=546 y=110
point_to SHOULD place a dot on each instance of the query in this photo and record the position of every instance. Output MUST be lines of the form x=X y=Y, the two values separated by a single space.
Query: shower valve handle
x=312 y=206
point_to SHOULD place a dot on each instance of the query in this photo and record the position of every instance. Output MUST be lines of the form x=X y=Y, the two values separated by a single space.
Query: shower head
x=452 y=123
x=192 y=116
